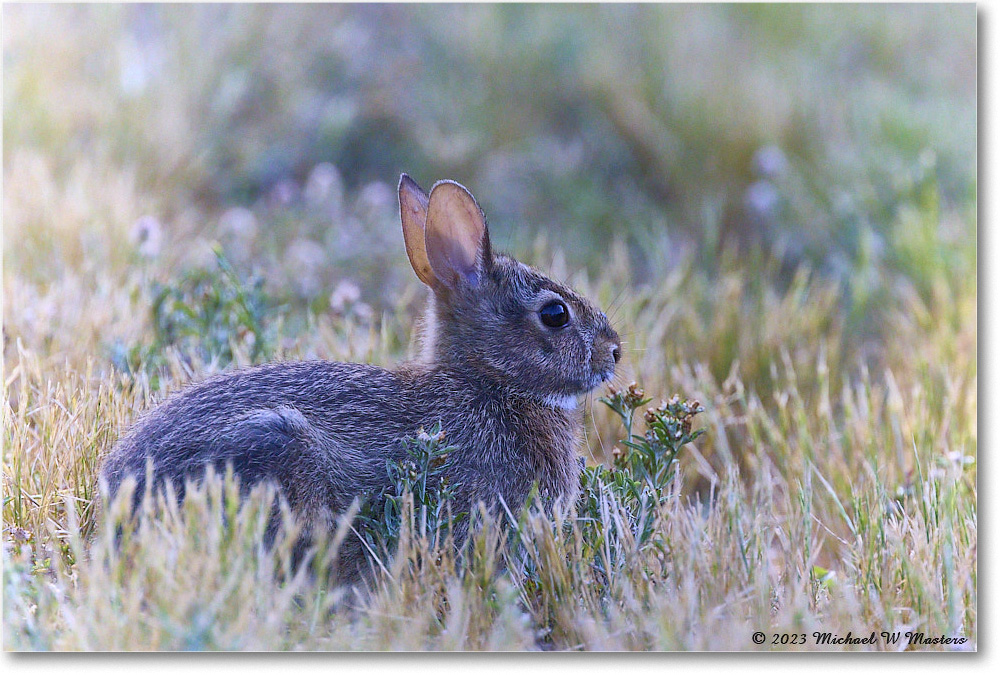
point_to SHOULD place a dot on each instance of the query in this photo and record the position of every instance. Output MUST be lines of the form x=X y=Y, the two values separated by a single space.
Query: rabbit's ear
x=413 y=215
x=456 y=239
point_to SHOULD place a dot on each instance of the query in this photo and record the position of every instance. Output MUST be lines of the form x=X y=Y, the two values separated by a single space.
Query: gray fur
x=323 y=431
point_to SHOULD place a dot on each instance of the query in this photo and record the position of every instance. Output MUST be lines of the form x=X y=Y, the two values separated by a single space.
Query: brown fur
x=495 y=378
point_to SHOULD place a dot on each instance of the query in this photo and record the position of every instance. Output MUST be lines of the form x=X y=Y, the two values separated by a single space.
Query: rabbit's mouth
x=597 y=379
x=584 y=386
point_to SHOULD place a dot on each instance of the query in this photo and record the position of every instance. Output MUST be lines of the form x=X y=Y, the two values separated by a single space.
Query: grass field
x=775 y=205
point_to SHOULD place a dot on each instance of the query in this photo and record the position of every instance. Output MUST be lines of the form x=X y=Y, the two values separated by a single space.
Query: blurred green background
x=772 y=138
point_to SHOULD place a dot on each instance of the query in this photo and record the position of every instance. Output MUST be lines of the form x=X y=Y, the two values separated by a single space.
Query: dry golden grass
x=872 y=481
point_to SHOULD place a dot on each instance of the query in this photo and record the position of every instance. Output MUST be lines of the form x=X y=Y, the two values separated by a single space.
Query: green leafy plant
x=420 y=496
x=640 y=472
x=211 y=314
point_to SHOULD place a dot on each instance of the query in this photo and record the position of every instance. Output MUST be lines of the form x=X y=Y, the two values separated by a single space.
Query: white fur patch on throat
x=561 y=402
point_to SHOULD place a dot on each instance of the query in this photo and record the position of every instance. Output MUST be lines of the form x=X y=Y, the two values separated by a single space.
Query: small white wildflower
x=761 y=198
x=239 y=222
x=285 y=192
x=132 y=77
x=377 y=195
x=344 y=295
x=769 y=161
x=305 y=261
x=960 y=459
x=147 y=235
x=324 y=183
x=363 y=311
x=133 y=71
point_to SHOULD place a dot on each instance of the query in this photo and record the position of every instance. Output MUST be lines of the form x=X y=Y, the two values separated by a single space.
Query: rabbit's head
x=493 y=316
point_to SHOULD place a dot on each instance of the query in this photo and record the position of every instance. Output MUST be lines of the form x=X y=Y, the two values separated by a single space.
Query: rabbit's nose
x=616 y=353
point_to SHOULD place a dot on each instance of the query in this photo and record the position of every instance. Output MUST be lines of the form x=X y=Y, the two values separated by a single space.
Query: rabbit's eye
x=554 y=314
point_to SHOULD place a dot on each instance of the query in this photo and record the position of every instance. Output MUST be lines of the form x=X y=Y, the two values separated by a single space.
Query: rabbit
x=506 y=354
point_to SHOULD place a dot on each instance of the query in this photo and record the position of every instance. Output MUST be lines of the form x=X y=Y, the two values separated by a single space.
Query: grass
x=824 y=313
x=818 y=509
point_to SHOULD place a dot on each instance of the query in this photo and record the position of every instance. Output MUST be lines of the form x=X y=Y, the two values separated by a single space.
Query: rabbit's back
x=299 y=424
